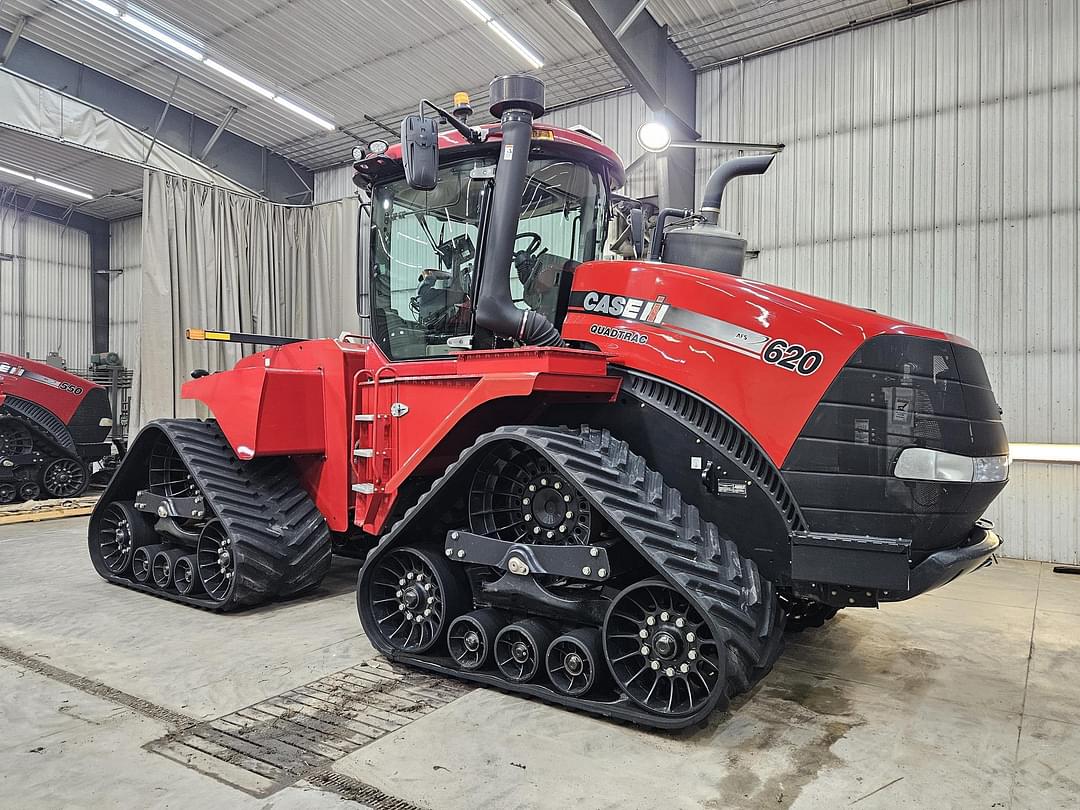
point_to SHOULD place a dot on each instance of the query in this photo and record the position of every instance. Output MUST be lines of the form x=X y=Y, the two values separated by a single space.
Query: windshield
x=425 y=243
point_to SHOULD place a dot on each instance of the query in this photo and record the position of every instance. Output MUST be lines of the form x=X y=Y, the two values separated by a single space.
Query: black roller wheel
x=65 y=478
x=15 y=438
x=186 y=576
x=805 y=614
x=216 y=560
x=116 y=534
x=142 y=562
x=162 y=567
x=29 y=491
x=9 y=493
x=661 y=651
x=471 y=637
x=520 y=648
x=575 y=661
x=413 y=595
x=517 y=496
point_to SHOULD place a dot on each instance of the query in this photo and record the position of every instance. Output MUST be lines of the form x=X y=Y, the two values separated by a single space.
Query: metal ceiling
x=355 y=61
x=116 y=185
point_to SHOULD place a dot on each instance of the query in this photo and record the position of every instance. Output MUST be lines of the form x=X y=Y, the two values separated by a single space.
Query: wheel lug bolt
x=431 y=600
x=669 y=672
x=411 y=575
x=654 y=664
x=650 y=620
x=558 y=485
x=528 y=516
x=419 y=577
x=594 y=552
x=543 y=482
x=692 y=654
x=679 y=622
x=601 y=572
x=569 y=515
x=536 y=530
x=566 y=498
x=586 y=570
x=398 y=594
x=645 y=651
x=550 y=535
x=525 y=501
x=449 y=552
x=461 y=552
x=684 y=668
x=401 y=582
x=644 y=634
x=665 y=616
x=427 y=611
x=408 y=615
x=532 y=487
x=690 y=636
x=562 y=529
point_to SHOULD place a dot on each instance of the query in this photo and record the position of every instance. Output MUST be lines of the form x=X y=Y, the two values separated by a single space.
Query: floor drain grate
x=302 y=732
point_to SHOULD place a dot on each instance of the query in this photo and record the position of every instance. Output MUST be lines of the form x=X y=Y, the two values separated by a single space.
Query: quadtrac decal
x=775 y=351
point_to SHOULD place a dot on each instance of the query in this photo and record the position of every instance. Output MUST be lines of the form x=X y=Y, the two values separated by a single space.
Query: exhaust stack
x=724 y=174
x=517 y=100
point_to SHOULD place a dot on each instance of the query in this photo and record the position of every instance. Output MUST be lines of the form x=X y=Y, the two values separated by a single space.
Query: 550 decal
x=793 y=357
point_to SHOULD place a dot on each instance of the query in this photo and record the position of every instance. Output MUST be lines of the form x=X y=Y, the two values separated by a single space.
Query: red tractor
x=606 y=484
x=53 y=426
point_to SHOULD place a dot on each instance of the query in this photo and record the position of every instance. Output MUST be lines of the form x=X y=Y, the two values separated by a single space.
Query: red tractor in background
x=607 y=484
x=53 y=427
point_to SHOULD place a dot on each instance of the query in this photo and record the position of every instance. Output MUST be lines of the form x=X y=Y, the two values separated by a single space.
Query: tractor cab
x=427 y=245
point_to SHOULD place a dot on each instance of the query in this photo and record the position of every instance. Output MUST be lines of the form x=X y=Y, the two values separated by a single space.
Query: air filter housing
x=706 y=246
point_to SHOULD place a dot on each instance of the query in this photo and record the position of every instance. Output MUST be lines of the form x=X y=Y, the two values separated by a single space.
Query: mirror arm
x=471 y=134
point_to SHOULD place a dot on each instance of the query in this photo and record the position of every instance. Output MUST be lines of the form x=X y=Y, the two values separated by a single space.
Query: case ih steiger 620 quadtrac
x=607 y=484
x=53 y=426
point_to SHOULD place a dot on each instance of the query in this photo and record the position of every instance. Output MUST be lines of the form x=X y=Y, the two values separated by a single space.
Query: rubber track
x=280 y=539
x=686 y=551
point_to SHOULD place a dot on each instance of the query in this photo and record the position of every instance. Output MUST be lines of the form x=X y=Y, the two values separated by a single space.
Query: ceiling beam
x=235 y=157
x=660 y=74
x=13 y=40
x=65 y=215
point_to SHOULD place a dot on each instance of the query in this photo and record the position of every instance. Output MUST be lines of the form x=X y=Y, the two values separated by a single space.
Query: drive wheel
x=8 y=494
x=517 y=496
x=120 y=530
x=661 y=651
x=15 y=438
x=471 y=637
x=413 y=594
x=216 y=560
x=65 y=478
x=574 y=661
x=520 y=648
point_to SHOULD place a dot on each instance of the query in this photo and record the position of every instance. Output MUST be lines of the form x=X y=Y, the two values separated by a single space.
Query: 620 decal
x=793 y=357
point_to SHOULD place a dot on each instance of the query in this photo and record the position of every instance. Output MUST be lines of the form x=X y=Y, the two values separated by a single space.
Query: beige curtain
x=219 y=260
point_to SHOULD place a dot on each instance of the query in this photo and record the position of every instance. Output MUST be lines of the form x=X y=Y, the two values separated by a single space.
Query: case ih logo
x=631 y=309
x=15 y=371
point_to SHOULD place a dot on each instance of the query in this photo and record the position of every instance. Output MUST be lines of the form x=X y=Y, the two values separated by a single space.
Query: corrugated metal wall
x=933 y=172
x=44 y=289
x=125 y=289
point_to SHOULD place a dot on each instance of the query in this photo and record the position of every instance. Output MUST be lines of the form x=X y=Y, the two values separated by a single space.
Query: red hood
x=52 y=388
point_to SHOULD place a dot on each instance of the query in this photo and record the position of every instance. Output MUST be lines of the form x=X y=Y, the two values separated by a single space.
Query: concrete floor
x=967 y=698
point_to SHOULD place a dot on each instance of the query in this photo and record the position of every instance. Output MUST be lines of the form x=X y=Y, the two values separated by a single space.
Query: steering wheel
x=527 y=260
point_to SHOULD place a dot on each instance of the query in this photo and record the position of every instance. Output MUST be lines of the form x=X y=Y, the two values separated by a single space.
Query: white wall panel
x=44 y=289
x=932 y=172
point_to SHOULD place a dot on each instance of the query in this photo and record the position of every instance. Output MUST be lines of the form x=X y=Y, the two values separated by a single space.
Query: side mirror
x=637 y=232
x=420 y=151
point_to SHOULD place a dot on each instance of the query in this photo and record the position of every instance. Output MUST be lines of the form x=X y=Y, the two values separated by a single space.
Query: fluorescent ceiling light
x=108 y=8
x=254 y=87
x=14 y=173
x=289 y=105
x=61 y=187
x=161 y=36
x=1045 y=452
x=504 y=33
x=44 y=181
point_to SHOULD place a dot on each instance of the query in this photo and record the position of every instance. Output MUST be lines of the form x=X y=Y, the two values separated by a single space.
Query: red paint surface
x=63 y=402
x=772 y=403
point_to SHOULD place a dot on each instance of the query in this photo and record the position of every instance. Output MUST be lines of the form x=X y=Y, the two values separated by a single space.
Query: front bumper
x=942 y=567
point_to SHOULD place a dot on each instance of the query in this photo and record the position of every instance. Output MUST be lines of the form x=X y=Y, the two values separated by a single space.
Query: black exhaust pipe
x=724 y=174
x=516 y=100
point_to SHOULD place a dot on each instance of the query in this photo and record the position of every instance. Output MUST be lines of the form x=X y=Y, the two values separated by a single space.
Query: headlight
x=923 y=464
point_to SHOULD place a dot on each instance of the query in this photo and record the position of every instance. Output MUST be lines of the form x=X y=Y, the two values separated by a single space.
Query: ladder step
x=365 y=417
x=363 y=452
x=364 y=489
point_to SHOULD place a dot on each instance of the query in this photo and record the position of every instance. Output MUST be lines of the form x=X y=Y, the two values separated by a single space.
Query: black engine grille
x=896 y=392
